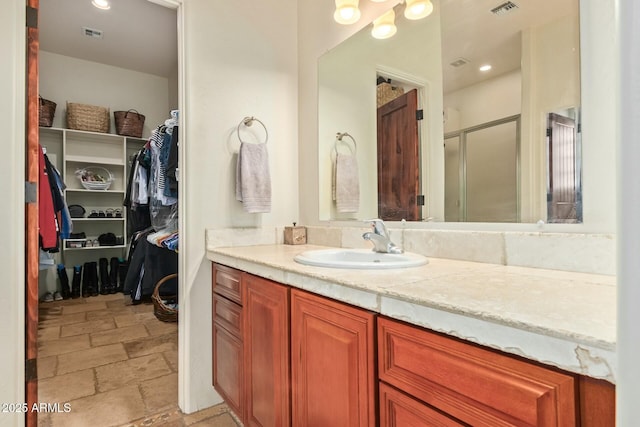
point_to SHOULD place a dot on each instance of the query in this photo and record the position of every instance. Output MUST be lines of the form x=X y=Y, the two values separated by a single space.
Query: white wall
x=12 y=87
x=63 y=78
x=628 y=387
x=240 y=60
x=484 y=102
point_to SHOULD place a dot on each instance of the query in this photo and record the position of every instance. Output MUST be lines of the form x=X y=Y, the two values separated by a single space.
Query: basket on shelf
x=163 y=306
x=129 y=123
x=87 y=117
x=95 y=178
x=46 y=111
x=386 y=93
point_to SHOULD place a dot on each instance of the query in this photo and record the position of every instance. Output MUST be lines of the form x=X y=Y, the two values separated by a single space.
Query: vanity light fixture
x=101 y=4
x=385 y=26
x=418 y=9
x=485 y=67
x=347 y=12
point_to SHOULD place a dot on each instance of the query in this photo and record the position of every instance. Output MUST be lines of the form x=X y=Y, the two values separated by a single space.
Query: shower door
x=482 y=172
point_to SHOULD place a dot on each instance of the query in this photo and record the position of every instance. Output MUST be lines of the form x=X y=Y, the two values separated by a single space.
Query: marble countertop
x=560 y=318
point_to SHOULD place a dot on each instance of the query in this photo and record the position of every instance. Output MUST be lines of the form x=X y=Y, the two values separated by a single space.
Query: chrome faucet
x=380 y=238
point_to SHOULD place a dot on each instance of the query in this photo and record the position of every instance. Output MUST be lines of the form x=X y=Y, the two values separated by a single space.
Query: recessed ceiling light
x=101 y=4
x=485 y=67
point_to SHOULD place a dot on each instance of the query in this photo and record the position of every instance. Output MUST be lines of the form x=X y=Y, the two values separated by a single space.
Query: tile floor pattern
x=114 y=364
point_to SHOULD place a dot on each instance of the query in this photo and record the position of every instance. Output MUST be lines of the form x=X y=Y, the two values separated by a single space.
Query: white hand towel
x=253 y=182
x=346 y=184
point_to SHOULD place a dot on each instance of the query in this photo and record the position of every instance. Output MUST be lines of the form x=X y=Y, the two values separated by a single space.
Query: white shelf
x=94 y=160
x=96 y=219
x=84 y=190
x=94 y=248
x=75 y=149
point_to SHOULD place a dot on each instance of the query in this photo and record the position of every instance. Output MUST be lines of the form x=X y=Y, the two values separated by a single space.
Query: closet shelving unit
x=74 y=150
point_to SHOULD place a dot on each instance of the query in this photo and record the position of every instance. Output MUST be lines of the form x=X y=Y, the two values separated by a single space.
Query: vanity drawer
x=226 y=282
x=227 y=314
x=475 y=385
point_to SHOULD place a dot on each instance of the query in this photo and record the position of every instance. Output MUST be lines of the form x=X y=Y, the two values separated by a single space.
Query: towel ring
x=339 y=136
x=248 y=121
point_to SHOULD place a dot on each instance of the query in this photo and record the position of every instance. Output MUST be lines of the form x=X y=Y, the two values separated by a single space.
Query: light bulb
x=347 y=12
x=384 y=27
x=101 y=4
x=418 y=9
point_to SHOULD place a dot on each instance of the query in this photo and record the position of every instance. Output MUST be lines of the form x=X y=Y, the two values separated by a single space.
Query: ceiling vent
x=92 y=32
x=504 y=8
x=459 y=62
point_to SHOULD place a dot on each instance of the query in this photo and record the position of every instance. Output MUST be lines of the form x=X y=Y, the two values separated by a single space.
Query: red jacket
x=46 y=215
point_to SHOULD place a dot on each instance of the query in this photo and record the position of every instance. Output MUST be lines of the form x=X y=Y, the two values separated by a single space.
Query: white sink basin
x=359 y=258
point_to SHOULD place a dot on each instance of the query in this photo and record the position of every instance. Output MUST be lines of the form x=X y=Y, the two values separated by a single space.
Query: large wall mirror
x=501 y=145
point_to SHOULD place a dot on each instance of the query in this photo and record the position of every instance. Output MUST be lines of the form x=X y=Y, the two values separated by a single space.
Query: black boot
x=87 y=283
x=105 y=280
x=93 y=267
x=75 y=282
x=114 y=263
x=64 y=282
x=123 y=268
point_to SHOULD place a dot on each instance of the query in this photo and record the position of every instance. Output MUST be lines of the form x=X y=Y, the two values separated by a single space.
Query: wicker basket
x=386 y=93
x=46 y=111
x=160 y=310
x=95 y=178
x=129 y=123
x=87 y=117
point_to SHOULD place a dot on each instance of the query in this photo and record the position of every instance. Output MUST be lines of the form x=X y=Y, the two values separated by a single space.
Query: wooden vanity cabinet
x=266 y=349
x=228 y=349
x=471 y=384
x=332 y=363
x=251 y=346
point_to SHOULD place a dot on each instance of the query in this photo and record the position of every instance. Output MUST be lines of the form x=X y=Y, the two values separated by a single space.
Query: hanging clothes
x=47 y=220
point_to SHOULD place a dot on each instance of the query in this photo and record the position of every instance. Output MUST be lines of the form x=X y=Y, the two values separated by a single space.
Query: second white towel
x=346 y=183
x=253 y=181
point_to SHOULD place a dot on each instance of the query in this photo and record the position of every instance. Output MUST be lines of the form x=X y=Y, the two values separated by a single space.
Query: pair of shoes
x=109 y=212
x=48 y=297
x=118 y=213
x=97 y=214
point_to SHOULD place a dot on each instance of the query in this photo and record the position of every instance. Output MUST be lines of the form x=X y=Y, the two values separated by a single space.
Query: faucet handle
x=378 y=226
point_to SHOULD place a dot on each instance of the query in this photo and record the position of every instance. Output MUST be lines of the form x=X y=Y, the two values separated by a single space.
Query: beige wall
x=240 y=60
x=12 y=48
x=63 y=78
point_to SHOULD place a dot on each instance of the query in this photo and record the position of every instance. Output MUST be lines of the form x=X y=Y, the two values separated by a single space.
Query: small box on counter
x=296 y=235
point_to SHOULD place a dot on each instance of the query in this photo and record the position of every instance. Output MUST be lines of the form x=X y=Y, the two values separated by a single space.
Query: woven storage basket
x=129 y=123
x=386 y=93
x=87 y=117
x=95 y=178
x=46 y=111
x=160 y=310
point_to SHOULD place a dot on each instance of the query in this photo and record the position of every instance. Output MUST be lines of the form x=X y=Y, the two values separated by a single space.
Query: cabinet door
x=399 y=410
x=228 y=369
x=475 y=385
x=266 y=341
x=332 y=366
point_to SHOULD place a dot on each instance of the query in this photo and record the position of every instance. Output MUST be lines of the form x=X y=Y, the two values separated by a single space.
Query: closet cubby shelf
x=71 y=150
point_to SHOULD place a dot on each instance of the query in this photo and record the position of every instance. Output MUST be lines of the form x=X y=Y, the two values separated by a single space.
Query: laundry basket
x=165 y=307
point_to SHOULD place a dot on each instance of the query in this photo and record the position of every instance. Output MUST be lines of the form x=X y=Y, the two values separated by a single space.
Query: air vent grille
x=504 y=8
x=459 y=62
x=92 y=32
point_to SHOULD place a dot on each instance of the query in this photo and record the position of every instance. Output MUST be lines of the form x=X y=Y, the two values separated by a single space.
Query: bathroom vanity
x=450 y=343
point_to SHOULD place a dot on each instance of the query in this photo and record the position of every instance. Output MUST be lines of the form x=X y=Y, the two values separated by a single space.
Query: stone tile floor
x=114 y=365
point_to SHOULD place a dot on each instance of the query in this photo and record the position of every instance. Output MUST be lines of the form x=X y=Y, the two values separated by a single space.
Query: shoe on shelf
x=101 y=214
x=109 y=212
x=57 y=296
x=48 y=297
x=118 y=213
x=93 y=214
